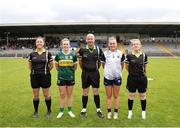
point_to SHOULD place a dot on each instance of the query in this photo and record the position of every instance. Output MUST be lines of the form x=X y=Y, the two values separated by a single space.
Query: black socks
x=84 y=101
x=97 y=101
x=36 y=104
x=130 y=104
x=48 y=103
x=143 y=105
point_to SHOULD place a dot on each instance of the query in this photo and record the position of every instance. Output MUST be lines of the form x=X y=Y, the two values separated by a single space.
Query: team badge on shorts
x=119 y=81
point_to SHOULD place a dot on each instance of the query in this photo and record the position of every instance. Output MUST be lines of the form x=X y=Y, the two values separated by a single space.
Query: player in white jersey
x=113 y=64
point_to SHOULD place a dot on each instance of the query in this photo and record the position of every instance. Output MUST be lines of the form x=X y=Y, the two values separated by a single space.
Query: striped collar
x=44 y=50
x=87 y=47
x=136 y=54
x=91 y=50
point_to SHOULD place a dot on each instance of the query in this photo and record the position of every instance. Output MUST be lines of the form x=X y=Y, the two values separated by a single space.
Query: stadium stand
x=159 y=49
x=150 y=48
x=158 y=39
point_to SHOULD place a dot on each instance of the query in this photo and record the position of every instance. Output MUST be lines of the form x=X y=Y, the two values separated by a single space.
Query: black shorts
x=65 y=82
x=137 y=83
x=40 y=80
x=90 y=78
x=112 y=82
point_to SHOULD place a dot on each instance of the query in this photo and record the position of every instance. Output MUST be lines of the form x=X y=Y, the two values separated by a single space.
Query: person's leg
x=69 y=90
x=62 y=91
x=108 y=100
x=97 y=102
x=116 y=89
x=85 y=86
x=45 y=82
x=35 y=90
x=108 y=97
x=131 y=96
x=47 y=98
x=96 y=98
x=142 y=87
x=95 y=80
x=35 y=101
x=84 y=102
x=142 y=97
x=132 y=87
x=85 y=98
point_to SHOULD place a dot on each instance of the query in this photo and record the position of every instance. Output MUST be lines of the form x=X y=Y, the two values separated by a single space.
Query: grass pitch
x=162 y=98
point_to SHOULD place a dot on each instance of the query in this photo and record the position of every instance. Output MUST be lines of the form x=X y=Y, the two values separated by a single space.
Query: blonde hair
x=90 y=34
x=135 y=40
x=112 y=38
x=65 y=39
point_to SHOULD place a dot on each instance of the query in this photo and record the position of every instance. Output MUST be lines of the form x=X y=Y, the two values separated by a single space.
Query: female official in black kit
x=40 y=65
x=136 y=63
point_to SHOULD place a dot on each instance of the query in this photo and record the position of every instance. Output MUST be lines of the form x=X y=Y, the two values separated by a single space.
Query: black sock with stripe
x=36 y=104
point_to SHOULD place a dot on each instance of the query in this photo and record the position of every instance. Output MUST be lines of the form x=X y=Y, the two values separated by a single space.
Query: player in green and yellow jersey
x=66 y=64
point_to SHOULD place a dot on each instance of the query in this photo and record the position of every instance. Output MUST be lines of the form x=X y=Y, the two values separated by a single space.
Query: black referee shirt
x=90 y=58
x=40 y=62
x=136 y=64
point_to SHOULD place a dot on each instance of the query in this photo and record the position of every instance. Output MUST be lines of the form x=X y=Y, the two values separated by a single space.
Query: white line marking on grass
x=150 y=79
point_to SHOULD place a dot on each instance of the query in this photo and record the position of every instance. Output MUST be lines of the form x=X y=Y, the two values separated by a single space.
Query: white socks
x=130 y=114
x=98 y=109
x=83 y=110
x=143 y=114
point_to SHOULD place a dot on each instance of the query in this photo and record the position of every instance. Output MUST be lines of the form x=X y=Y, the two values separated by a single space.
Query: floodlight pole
x=7 y=38
x=176 y=40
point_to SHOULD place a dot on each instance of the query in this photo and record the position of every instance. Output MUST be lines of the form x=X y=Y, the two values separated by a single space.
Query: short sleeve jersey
x=136 y=64
x=65 y=65
x=112 y=67
x=90 y=58
x=40 y=62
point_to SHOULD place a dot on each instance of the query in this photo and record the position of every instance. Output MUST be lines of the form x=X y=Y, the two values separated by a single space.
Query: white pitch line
x=150 y=78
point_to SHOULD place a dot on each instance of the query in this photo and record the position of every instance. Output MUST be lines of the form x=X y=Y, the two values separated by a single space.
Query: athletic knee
x=108 y=97
x=69 y=95
x=131 y=96
x=62 y=95
x=142 y=96
x=95 y=92
x=116 y=97
x=35 y=94
x=85 y=93
x=46 y=95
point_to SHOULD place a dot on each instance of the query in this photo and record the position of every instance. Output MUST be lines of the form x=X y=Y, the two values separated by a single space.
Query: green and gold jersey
x=65 y=65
